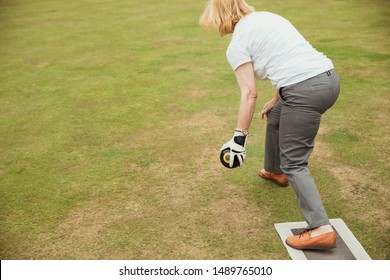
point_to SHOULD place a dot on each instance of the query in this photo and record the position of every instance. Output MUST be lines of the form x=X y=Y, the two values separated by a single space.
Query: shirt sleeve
x=237 y=54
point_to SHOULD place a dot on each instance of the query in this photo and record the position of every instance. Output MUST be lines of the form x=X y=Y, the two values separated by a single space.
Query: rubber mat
x=348 y=247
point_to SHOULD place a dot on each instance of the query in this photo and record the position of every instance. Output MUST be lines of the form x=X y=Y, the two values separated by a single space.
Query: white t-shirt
x=278 y=52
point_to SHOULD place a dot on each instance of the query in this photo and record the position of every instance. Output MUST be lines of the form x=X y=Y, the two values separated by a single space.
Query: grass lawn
x=112 y=114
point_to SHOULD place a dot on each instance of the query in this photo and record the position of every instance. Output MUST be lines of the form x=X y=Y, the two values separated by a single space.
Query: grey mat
x=348 y=247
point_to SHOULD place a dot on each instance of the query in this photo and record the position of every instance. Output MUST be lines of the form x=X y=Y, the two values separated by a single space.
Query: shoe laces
x=305 y=232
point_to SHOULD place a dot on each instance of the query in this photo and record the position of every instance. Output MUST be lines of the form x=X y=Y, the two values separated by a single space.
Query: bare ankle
x=321 y=230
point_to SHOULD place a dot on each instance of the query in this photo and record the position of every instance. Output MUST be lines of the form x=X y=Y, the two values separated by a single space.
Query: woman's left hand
x=267 y=107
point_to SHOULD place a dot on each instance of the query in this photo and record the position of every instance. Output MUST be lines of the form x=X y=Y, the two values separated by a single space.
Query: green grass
x=112 y=115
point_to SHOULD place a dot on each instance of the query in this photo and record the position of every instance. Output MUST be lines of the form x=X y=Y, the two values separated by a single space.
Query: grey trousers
x=292 y=126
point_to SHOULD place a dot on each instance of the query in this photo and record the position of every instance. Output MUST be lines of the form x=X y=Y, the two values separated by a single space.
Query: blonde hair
x=224 y=14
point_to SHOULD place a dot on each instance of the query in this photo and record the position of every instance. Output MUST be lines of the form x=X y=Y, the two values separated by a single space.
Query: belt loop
x=328 y=73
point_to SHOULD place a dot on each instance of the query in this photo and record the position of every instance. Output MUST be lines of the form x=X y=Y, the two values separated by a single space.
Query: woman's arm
x=247 y=83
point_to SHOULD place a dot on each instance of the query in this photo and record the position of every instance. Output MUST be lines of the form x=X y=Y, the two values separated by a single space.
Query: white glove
x=236 y=147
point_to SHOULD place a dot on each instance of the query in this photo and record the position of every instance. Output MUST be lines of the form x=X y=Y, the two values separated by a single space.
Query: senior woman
x=267 y=46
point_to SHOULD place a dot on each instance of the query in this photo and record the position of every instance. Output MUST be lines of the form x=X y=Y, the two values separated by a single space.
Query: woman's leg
x=272 y=171
x=300 y=116
x=298 y=129
x=272 y=151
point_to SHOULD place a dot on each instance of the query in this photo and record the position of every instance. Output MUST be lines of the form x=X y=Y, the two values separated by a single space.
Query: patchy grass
x=112 y=115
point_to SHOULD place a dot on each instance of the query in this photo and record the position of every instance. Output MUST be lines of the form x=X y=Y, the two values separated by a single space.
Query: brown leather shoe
x=278 y=179
x=305 y=241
